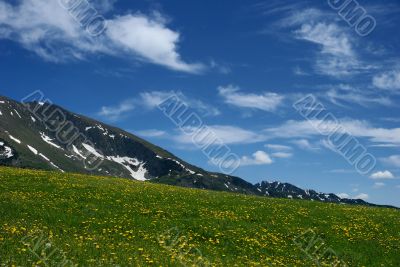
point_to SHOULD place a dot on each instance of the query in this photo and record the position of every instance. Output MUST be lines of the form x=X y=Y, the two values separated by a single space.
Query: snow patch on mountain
x=14 y=139
x=49 y=140
x=92 y=150
x=18 y=114
x=183 y=166
x=34 y=151
x=77 y=152
x=128 y=163
x=49 y=161
x=7 y=153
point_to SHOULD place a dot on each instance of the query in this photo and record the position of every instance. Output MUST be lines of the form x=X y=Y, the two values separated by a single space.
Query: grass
x=54 y=219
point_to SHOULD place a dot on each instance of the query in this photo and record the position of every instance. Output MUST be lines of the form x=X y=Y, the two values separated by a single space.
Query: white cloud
x=278 y=147
x=382 y=175
x=258 y=158
x=379 y=185
x=343 y=195
x=116 y=112
x=298 y=129
x=152 y=99
x=151 y=133
x=267 y=101
x=292 y=129
x=362 y=196
x=388 y=80
x=48 y=30
x=226 y=133
x=393 y=160
x=149 y=38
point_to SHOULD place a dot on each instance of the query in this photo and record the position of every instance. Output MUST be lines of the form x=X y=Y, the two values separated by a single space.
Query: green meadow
x=58 y=219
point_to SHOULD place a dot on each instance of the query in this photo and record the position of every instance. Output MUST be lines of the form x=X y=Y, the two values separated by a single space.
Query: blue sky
x=240 y=65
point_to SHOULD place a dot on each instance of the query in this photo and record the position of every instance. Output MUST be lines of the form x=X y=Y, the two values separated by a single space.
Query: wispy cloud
x=226 y=133
x=257 y=158
x=344 y=95
x=305 y=145
x=114 y=113
x=266 y=101
x=104 y=5
x=299 y=71
x=379 y=185
x=282 y=155
x=393 y=160
x=48 y=30
x=336 y=55
x=341 y=171
x=152 y=99
x=151 y=133
x=273 y=7
x=297 y=129
x=388 y=80
x=276 y=147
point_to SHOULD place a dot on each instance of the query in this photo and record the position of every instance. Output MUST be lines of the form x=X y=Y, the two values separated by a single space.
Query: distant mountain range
x=45 y=136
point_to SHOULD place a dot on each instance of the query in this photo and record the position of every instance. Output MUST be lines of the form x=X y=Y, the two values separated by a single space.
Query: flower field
x=55 y=219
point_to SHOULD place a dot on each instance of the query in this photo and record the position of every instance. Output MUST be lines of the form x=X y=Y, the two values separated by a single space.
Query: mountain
x=285 y=190
x=41 y=135
x=45 y=136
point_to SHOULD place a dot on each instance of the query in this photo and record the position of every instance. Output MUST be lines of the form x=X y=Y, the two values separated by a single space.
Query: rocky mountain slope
x=44 y=136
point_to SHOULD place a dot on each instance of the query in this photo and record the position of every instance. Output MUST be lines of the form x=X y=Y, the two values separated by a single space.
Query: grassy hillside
x=53 y=219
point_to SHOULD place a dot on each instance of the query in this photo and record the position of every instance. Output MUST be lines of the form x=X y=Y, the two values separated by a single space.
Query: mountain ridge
x=38 y=135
